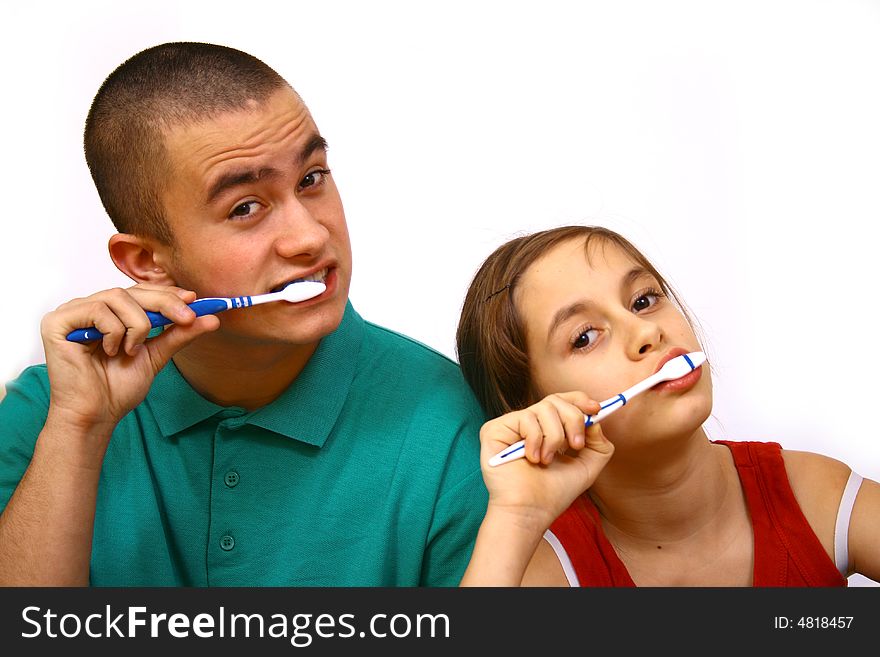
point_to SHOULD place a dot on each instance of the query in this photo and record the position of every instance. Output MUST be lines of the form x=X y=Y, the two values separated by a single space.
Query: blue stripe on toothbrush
x=620 y=398
x=689 y=362
x=513 y=451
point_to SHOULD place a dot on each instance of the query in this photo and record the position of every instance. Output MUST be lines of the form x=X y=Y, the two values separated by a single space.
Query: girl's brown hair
x=490 y=340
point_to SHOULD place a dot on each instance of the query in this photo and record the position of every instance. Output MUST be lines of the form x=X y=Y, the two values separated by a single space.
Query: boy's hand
x=94 y=385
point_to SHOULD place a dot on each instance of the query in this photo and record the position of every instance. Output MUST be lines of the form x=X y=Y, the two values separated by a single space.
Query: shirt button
x=227 y=542
x=231 y=479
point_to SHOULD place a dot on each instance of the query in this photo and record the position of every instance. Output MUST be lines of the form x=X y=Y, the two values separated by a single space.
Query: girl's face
x=601 y=324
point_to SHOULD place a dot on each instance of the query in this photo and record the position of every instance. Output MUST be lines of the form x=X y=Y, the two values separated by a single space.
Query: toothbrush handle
x=608 y=407
x=199 y=307
x=517 y=450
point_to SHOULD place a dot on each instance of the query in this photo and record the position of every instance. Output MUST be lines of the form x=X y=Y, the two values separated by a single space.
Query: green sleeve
x=458 y=516
x=460 y=508
x=22 y=415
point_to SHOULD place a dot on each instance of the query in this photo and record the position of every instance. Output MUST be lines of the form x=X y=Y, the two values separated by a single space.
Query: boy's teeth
x=317 y=276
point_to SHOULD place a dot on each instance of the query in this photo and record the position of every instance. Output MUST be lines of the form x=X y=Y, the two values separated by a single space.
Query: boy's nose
x=299 y=233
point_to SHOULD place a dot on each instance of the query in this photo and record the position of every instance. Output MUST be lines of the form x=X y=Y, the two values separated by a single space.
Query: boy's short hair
x=164 y=86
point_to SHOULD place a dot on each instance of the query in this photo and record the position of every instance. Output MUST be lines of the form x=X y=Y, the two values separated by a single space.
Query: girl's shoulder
x=817 y=482
x=814 y=475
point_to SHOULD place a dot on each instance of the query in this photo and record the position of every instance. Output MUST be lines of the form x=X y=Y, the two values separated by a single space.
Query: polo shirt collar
x=175 y=405
x=306 y=411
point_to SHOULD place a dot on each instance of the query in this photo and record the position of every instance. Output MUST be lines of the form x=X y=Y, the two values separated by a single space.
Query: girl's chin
x=681 y=425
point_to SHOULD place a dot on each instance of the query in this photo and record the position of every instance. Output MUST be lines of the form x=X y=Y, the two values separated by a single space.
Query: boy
x=284 y=444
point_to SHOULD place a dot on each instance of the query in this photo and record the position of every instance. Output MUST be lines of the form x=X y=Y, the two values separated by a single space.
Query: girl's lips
x=672 y=353
x=680 y=384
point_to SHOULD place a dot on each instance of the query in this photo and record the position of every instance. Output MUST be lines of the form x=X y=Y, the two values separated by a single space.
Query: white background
x=737 y=143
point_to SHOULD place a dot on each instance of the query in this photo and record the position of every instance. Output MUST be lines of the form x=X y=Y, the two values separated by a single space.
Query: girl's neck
x=666 y=493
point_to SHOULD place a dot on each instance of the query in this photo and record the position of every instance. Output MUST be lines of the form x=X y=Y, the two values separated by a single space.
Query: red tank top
x=787 y=551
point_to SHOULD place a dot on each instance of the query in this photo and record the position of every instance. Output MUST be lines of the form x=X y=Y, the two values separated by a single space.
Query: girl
x=577 y=314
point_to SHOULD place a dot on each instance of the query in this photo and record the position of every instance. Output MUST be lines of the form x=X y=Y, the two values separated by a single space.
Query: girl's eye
x=243 y=209
x=585 y=338
x=314 y=178
x=645 y=300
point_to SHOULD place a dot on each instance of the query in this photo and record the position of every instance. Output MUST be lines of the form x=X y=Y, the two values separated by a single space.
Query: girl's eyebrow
x=565 y=313
x=583 y=305
x=633 y=275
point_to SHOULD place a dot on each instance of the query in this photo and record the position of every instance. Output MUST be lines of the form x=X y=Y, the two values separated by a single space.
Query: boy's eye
x=314 y=178
x=243 y=209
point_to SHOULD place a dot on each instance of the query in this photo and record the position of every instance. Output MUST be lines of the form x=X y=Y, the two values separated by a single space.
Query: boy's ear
x=140 y=258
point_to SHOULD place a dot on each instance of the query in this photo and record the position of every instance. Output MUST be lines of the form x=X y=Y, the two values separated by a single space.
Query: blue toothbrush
x=293 y=293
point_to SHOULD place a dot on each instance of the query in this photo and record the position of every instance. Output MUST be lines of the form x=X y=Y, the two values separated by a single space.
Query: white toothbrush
x=293 y=293
x=673 y=369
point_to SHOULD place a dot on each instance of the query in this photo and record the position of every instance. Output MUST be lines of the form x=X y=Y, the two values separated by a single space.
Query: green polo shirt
x=364 y=472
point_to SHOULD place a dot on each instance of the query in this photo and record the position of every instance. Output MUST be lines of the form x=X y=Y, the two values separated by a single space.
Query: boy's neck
x=248 y=378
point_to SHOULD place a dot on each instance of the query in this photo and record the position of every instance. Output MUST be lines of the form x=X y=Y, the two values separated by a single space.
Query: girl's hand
x=562 y=457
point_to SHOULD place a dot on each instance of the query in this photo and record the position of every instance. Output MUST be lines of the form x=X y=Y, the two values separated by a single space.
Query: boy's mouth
x=318 y=276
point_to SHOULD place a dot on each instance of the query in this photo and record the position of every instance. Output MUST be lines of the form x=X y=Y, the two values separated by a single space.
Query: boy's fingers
x=164 y=346
x=170 y=302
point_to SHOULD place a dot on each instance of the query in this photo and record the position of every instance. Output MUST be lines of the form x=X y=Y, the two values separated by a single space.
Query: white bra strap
x=562 y=555
x=841 y=528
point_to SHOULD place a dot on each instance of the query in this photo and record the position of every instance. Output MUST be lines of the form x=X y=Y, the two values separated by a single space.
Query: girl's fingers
x=552 y=425
x=529 y=428
x=597 y=442
x=581 y=400
x=571 y=419
x=552 y=430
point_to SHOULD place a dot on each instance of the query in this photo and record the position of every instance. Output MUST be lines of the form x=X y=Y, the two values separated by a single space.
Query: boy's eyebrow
x=572 y=309
x=236 y=178
x=244 y=176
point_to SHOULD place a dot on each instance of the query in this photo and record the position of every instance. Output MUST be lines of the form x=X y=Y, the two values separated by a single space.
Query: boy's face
x=601 y=325
x=251 y=206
